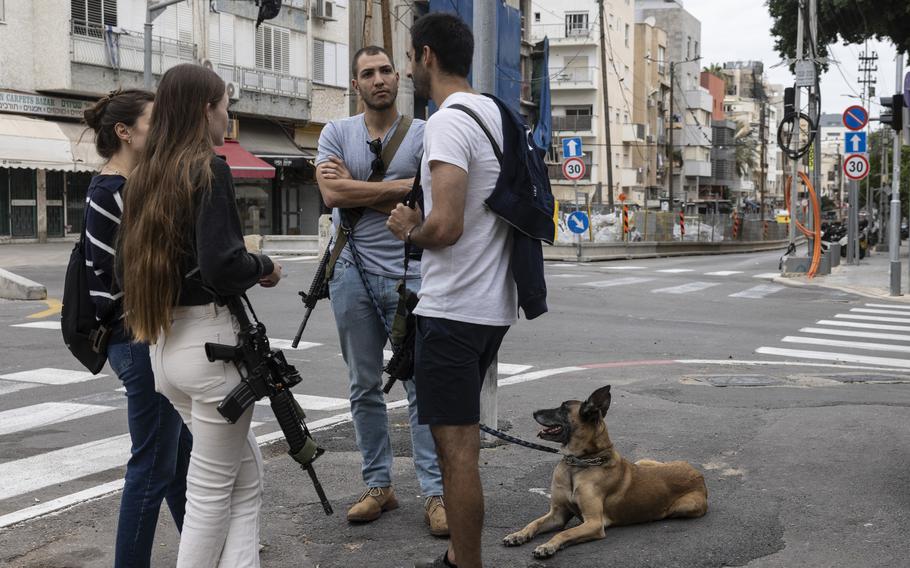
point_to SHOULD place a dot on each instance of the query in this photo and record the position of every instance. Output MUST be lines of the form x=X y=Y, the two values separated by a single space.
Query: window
x=696 y=49
x=330 y=63
x=221 y=38
x=273 y=49
x=577 y=24
x=2 y=11
x=627 y=35
x=578 y=111
x=688 y=47
x=536 y=17
x=89 y=16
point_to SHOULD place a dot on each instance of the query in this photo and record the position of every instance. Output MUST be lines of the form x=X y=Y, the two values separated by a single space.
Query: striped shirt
x=104 y=207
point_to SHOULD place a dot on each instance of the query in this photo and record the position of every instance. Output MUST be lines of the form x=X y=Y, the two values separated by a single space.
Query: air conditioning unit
x=233 y=90
x=323 y=10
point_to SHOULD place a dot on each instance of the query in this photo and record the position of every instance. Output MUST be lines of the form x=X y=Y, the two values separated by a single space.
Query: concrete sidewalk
x=871 y=278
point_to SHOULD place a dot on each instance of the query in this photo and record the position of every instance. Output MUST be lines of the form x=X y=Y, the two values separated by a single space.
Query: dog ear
x=598 y=402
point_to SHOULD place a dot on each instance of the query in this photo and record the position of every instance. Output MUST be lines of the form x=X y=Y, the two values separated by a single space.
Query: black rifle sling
x=350 y=217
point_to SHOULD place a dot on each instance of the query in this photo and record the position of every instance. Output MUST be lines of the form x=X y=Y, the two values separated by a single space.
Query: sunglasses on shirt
x=377 y=165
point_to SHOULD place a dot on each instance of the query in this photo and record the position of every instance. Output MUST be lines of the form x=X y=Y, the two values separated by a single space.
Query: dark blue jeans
x=159 y=458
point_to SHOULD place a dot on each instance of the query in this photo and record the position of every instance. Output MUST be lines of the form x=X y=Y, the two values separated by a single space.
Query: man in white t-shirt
x=468 y=297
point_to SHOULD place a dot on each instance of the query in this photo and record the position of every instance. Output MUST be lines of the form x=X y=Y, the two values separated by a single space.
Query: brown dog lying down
x=595 y=483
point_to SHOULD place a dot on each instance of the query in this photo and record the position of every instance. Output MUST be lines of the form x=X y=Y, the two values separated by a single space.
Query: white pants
x=224 y=481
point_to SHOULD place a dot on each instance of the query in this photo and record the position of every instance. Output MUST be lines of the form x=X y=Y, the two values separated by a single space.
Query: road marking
x=848 y=344
x=864 y=325
x=758 y=292
x=888 y=306
x=60 y=503
x=59 y=466
x=53 y=308
x=312 y=402
x=39 y=325
x=849 y=333
x=675 y=270
x=723 y=273
x=567 y=276
x=872 y=318
x=46 y=414
x=623 y=267
x=7 y=387
x=885 y=312
x=286 y=344
x=535 y=375
x=300 y=258
x=686 y=288
x=767 y=275
x=49 y=376
x=844 y=357
x=737 y=363
x=617 y=282
x=501 y=368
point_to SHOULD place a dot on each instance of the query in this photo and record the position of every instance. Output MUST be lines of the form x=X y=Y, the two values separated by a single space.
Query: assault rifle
x=319 y=289
x=266 y=373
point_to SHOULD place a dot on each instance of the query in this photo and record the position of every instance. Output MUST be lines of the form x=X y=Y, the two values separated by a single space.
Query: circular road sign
x=856 y=117
x=573 y=169
x=577 y=222
x=856 y=166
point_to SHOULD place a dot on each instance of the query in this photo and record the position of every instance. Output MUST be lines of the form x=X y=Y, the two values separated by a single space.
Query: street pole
x=894 y=233
x=764 y=160
x=794 y=169
x=817 y=152
x=670 y=139
x=484 y=79
x=386 y=9
x=152 y=11
x=606 y=90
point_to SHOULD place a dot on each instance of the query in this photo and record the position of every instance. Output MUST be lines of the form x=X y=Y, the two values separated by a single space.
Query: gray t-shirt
x=380 y=252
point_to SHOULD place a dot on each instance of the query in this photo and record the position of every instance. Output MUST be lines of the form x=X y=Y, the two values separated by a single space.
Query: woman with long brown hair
x=182 y=252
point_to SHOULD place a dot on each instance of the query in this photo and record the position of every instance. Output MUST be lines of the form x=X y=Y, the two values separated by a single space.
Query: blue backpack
x=523 y=199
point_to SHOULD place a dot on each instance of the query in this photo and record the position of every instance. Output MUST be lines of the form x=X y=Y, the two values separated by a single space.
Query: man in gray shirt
x=365 y=277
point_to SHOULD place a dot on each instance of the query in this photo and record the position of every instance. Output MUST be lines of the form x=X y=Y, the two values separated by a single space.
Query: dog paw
x=516 y=539
x=545 y=551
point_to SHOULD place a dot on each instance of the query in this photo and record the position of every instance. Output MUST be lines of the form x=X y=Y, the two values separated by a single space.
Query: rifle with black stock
x=319 y=289
x=266 y=373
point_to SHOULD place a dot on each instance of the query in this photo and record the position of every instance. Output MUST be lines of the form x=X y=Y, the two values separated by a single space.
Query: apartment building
x=692 y=104
x=576 y=91
x=650 y=96
x=86 y=48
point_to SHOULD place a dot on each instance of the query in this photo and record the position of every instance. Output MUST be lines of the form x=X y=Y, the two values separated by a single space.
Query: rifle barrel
x=306 y=317
x=326 y=505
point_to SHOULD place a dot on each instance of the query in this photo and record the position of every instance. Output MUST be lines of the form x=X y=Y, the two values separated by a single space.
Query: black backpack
x=85 y=335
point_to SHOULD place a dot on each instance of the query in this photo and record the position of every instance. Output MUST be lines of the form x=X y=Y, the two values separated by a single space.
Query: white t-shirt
x=469 y=281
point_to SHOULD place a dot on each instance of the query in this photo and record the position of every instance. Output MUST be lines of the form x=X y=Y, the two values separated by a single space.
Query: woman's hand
x=272 y=279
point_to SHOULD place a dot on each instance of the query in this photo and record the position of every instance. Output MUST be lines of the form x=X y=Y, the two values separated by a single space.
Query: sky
x=743 y=34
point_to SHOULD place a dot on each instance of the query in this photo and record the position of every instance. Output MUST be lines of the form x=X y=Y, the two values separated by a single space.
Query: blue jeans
x=160 y=455
x=363 y=337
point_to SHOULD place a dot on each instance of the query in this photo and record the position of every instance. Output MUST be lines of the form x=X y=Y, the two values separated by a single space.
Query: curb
x=15 y=287
x=866 y=292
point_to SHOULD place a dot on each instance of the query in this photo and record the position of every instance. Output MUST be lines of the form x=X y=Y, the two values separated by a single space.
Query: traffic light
x=893 y=112
x=268 y=9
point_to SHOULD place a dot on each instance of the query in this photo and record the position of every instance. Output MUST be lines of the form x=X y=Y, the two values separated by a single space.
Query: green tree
x=715 y=69
x=854 y=21
x=746 y=150
x=875 y=168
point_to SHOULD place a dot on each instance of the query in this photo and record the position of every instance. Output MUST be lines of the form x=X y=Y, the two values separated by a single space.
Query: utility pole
x=606 y=90
x=816 y=110
x=368 y=23
x=670 y=138
x=894 y=233
x=866 y=68
x=386 y=8
x=152 y=11
x=794 y=169
x=764 y=157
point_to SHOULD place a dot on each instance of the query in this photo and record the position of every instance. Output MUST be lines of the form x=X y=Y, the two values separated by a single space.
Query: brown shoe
x=435 y=514
x=372 y=504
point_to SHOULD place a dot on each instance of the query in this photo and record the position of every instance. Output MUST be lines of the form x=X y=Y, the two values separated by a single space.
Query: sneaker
x=373 y=502
x=435 y=515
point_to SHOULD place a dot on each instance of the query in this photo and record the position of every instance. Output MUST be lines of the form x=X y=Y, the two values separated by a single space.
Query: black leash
x=517 y=441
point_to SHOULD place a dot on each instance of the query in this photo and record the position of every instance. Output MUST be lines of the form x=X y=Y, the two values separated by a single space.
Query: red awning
x=243 y=164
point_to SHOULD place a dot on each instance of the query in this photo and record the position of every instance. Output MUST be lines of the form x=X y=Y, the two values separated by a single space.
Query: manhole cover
x=741 y=381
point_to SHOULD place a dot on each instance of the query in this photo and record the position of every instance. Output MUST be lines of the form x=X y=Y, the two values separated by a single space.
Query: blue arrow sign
x=577 y=222
x=854 y=142
x=571 y=147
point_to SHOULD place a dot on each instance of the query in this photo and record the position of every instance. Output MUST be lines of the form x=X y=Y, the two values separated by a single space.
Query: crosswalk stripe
x=686 y=288
x=617 y=282
x=286 y=344
x=872 y=318
x=44 y=470
x=39 y=325
x=757 y=292
x=501 y=368
x=841 y=357
x=724 y=273
x=45 y=414
x=623 y=267
x=49 y=376
x=848 y=344
x=885 y=312
x=299 y=258
x=859 y=325
x=766 y=275
x=851 y=333
x=905 y=307
x=7 y=387
x=676 y=270
x=567 y=276
x=312 y=402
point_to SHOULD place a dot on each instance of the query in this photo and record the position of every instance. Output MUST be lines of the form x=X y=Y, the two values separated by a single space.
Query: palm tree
x=715 y=69
x=746 y=149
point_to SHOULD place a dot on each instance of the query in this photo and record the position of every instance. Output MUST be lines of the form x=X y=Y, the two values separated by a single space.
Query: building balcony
x=630 y=177
x=572 y=77
x=633 y=132
x=581 y=123
x=563 y=34
x=92 y=44
x=693 y=168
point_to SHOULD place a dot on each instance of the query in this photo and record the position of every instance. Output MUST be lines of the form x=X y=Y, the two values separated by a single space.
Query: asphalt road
x=802 y=439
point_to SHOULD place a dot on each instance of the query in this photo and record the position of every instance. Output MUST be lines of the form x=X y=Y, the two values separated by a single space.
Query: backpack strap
x=482 y=126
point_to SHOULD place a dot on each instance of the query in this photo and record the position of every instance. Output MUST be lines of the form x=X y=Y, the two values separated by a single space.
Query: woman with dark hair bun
x=161 y=443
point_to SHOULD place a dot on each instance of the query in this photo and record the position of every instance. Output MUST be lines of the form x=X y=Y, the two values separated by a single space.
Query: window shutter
x=109 y=9
x=260 y=47
x=319 y=60
x=226 y=37
x=283 y=46
x=77 y=10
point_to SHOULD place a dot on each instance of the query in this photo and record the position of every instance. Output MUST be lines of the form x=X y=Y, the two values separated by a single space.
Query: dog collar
x=587 y=462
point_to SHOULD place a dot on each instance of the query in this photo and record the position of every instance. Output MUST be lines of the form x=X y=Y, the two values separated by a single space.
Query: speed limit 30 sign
x=573 y=169
x=856 y=166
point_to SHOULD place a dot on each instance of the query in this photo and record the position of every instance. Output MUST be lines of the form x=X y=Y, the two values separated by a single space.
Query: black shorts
x=450 y=361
